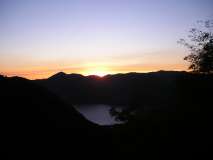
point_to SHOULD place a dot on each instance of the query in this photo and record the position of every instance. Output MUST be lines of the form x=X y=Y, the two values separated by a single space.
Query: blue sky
x=88 y=36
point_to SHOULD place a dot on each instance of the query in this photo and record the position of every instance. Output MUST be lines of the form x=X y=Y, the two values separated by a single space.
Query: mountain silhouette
x=123 y=89
x=58 y=75
x=39 y=121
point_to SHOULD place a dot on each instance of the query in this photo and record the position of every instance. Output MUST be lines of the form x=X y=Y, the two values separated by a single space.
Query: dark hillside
x=36 y=124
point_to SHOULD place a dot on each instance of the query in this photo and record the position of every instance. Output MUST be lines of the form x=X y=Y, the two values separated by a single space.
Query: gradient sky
x=41 y=37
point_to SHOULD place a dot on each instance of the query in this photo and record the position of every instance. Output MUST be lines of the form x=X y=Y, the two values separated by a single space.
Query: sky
x=41 y=37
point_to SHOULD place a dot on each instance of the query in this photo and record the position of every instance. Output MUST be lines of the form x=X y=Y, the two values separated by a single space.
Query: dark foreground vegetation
x=169 y=116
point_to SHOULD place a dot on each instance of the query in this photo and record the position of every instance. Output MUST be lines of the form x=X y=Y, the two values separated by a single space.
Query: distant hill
x=131 y=89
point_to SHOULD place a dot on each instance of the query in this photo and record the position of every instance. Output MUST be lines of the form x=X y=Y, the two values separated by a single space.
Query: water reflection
x=97 y=113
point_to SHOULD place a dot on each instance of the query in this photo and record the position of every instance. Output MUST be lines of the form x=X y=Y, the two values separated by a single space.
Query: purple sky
x=40 y=37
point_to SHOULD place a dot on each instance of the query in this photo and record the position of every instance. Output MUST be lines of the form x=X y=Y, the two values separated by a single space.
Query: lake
x=97 y=113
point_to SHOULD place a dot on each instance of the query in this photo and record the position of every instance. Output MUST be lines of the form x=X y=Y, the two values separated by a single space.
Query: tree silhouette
x=201 y=48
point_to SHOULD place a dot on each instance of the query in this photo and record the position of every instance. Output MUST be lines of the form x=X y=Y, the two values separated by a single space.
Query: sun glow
x=99 y=71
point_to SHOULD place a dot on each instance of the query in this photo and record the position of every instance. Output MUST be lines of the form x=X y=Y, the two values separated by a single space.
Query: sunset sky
x=41 y=37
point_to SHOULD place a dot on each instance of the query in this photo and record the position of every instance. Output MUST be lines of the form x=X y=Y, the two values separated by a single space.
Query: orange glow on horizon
x=99 y=71
x=93 y=70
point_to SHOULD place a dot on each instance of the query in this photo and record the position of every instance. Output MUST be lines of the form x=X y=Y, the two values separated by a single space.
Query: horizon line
x=87 y=75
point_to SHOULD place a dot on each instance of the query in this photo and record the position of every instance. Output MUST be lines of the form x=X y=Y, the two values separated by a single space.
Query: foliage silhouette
x=201 y=48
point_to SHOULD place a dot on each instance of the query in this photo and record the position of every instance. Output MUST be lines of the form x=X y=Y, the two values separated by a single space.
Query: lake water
x=97 y=113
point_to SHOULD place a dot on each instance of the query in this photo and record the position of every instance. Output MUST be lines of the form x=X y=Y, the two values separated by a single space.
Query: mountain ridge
x=113 y=89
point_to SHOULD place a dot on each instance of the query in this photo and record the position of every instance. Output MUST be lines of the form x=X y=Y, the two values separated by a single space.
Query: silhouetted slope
x=58 y=75
x=125 y=89
x=36 y=124
x=34 y=103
